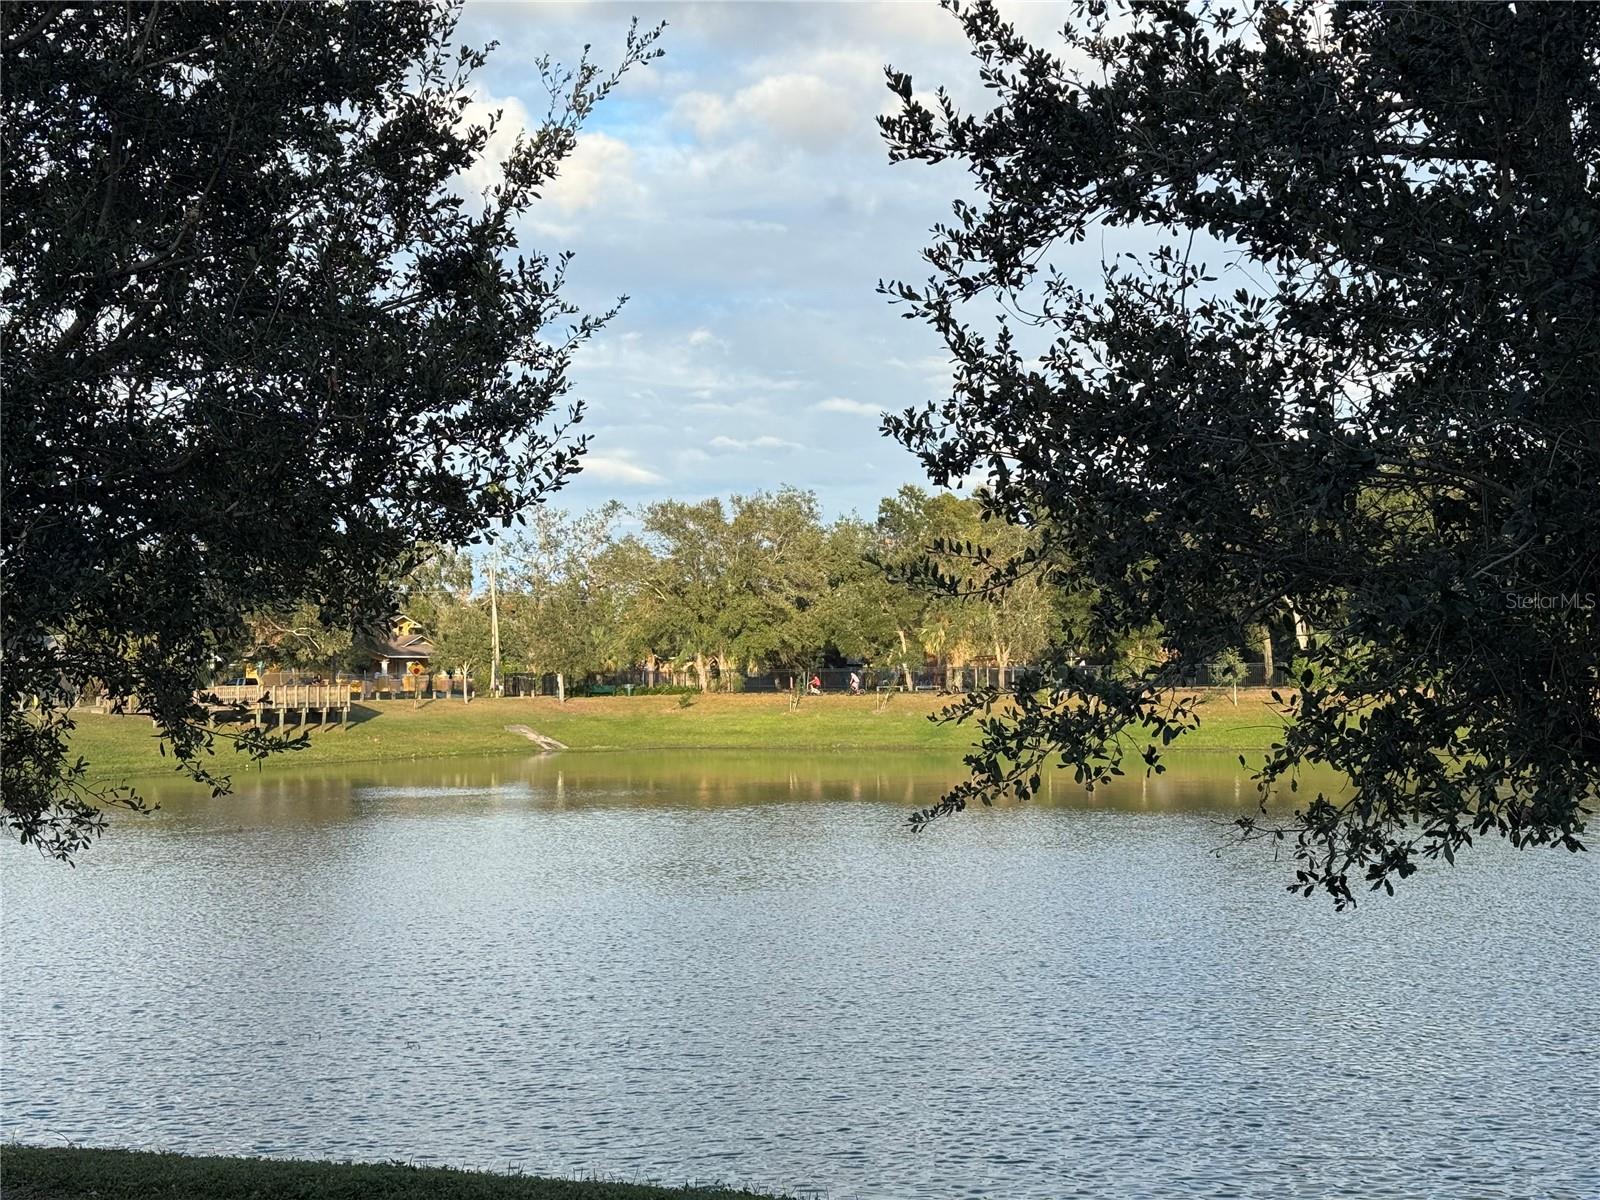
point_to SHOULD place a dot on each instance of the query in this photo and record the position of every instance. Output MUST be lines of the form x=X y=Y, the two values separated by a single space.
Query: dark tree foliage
x=1376 y=408
x=256 y=345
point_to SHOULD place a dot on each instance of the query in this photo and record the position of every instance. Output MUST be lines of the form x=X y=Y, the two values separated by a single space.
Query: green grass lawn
x=36 y=1173
x=398 y=730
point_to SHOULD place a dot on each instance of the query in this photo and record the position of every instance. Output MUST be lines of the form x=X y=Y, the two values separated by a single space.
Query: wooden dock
x=274 y=704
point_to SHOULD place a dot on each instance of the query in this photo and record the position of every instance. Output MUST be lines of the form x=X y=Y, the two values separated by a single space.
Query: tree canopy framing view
x=1381 y=417
x=920 y=598
x=260 y=343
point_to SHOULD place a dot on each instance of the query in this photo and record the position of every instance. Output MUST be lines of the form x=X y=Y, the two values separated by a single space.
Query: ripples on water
x=690 y=968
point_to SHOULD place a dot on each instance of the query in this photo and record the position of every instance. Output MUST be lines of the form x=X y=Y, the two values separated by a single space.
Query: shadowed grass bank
x=55 y=1173
x=387 y=731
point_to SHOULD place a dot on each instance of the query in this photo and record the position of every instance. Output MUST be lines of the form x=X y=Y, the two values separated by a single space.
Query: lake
x=704 y=966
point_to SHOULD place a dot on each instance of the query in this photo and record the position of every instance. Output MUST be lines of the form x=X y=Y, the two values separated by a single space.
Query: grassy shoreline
x=70 y=1173
x=397 y=731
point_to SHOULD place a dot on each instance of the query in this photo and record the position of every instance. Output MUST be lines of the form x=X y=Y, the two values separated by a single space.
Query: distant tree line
x=709 y=592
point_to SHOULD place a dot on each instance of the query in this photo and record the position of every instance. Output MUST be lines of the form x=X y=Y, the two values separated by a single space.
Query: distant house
x=404 y=651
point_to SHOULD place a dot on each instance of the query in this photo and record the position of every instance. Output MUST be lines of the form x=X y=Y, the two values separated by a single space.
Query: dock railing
x=273 y=705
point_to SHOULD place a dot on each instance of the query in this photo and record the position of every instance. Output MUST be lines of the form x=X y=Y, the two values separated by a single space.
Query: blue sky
x=737 y=190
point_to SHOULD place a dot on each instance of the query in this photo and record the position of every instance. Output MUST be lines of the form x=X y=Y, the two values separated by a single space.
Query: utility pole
x=494 y=627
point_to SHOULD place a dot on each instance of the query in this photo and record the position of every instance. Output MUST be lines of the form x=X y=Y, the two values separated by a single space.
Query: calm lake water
x=696 y=966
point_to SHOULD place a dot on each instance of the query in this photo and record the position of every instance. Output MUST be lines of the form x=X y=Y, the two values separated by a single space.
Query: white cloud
x=895 y=24
x=704 y=112
x=931 y=364
x=485 y=172
x=615 y=468
x=801 y=109
x=672 y=368
x=599 y=171
x=765 y=442
x=839 y=404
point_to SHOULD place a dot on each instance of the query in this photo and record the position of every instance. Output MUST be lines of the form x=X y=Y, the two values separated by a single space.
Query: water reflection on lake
x=701 y=966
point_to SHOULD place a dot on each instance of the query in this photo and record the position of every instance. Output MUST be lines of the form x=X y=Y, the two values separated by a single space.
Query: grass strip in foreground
x=55 y=1173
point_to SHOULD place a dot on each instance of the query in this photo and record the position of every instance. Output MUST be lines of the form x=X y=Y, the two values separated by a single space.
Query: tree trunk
x=466 y=685
x=1302 y=631
x=700 y=672
x=1002 y=660
x=1266 y=656
x=561 y=688
x=905 y=660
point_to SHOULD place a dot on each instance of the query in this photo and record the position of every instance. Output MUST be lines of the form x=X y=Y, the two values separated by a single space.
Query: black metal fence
x=847 y=679
x=829 y=680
